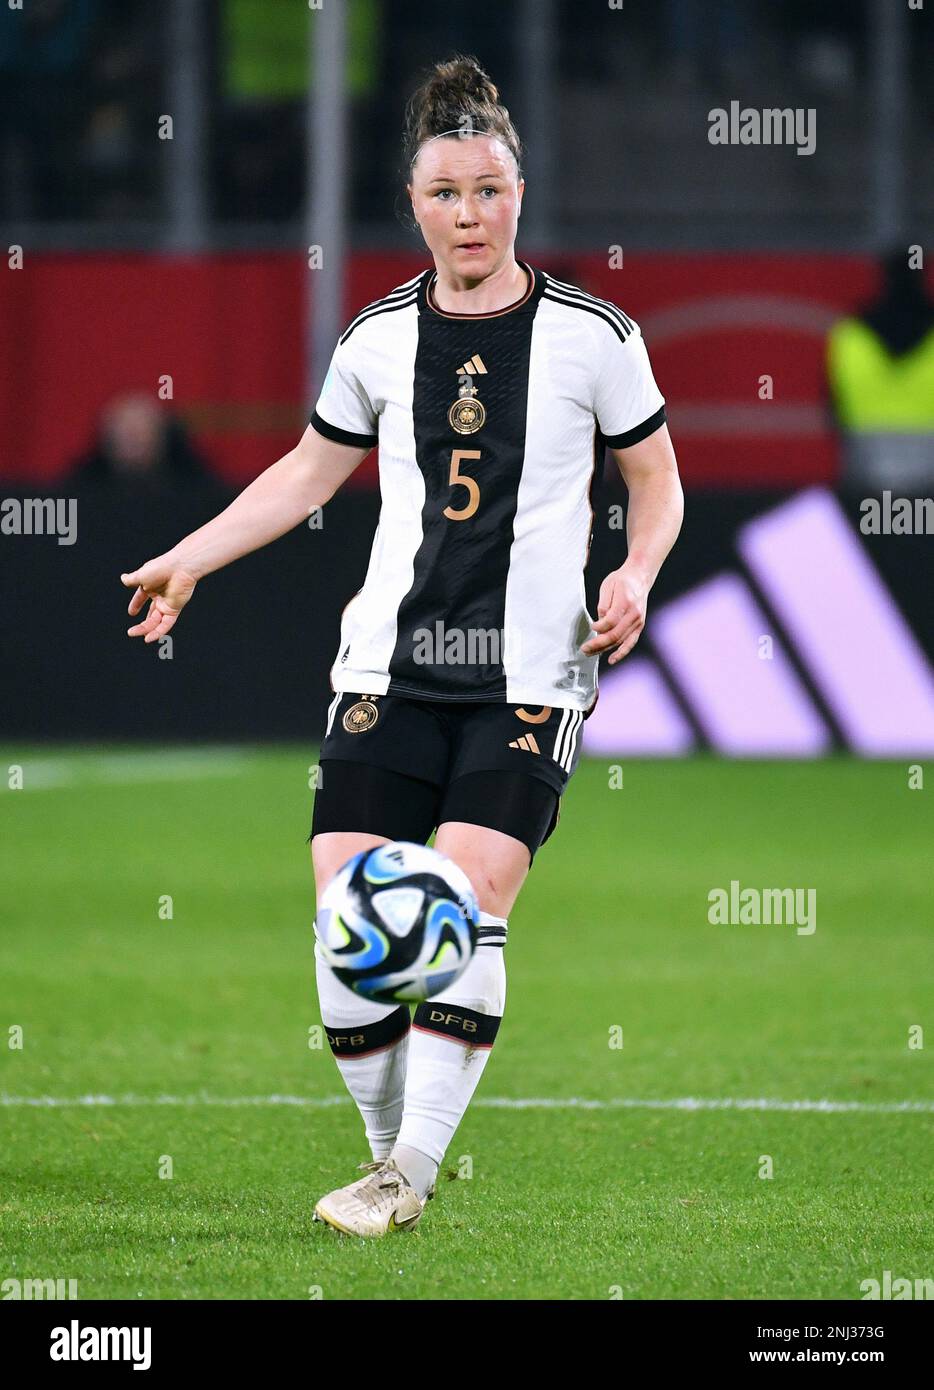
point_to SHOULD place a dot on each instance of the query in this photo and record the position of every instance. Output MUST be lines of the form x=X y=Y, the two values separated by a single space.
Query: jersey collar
x=525 y=304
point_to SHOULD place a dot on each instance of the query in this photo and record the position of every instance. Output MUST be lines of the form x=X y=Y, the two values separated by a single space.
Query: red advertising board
x=737 y=343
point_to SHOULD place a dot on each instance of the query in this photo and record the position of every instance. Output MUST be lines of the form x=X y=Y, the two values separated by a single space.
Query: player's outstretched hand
x=168 y=587
x=620 y=616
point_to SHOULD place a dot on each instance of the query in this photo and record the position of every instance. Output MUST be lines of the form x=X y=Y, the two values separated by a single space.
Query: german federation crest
x=360 y=717
x=467 y=414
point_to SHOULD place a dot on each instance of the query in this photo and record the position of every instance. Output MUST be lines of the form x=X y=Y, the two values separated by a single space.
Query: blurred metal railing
x=618 y=152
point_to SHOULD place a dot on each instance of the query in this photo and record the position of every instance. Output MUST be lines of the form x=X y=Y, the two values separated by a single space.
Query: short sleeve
x=344 y=411
x=627 y=403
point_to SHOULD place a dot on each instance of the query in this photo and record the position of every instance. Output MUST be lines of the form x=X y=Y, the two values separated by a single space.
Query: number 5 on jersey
x=465 y=480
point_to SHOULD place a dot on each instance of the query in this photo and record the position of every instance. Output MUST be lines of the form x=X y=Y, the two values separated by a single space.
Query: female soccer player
x=468 y=660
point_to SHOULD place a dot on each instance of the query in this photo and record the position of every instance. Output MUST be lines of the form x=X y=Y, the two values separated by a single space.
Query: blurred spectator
x=139 y=440
x=880 y=367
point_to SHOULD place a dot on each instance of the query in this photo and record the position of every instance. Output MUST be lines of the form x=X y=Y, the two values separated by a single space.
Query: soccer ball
x=398 y=924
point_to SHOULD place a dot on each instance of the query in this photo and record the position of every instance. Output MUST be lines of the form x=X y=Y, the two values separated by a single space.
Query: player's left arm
x=653 y=520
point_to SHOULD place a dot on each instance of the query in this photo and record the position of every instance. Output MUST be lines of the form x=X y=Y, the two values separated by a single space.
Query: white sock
x=449 y=1045
x=369 y=1042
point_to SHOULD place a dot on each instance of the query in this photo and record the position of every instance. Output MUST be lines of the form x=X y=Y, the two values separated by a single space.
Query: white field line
x=170 y=765
x=824 y=1107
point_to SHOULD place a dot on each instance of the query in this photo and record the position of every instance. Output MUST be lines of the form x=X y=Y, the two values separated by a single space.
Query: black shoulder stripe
x=575 y=296
x=398 y=299
x=578 y=293
x=399 y=292
x=372 y=313
x=621 y=333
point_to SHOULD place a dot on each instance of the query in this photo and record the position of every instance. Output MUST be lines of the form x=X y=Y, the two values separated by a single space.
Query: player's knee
x=485 y=883
x=330 y=851
x=488 y=888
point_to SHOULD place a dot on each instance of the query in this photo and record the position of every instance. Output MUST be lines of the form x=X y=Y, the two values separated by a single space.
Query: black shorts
x=400 y=767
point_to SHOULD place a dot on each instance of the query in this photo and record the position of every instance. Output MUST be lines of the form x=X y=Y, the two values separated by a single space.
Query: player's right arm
x=281 y=497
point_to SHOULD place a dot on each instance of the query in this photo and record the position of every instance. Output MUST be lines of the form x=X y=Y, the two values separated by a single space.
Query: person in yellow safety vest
x=880 y=367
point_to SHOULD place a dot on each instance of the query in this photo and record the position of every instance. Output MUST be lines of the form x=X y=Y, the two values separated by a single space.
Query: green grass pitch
x=215 y=1005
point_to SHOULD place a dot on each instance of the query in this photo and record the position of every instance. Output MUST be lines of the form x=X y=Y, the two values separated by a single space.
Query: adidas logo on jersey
x=473 y=366
x=527 y=743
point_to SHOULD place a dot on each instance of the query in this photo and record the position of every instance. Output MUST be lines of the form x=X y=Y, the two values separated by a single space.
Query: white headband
x=458 y=130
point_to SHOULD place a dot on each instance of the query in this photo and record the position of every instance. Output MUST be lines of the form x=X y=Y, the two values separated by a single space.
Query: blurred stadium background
x=162 y=337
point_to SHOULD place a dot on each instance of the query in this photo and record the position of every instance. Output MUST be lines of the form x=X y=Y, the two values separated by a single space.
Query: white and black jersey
x=489 y=427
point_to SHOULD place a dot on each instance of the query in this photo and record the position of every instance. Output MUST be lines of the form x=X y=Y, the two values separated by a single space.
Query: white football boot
x=375 y=1205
